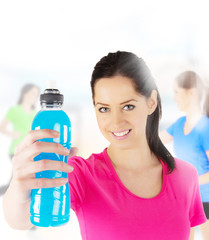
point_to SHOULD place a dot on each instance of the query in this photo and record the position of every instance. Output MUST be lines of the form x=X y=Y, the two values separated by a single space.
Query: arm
x=192 y=231
x=165 y=137
x=205 y=177
x=17 y=216
x=16 y=201
x=3 y=129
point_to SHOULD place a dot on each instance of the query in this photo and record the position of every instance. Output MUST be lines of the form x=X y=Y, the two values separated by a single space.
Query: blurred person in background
x=17 y=122
x=133 y=189
x=190 y=133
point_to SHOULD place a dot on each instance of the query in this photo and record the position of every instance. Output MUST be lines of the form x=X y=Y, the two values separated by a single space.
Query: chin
x=123 y=146
x=180 y=108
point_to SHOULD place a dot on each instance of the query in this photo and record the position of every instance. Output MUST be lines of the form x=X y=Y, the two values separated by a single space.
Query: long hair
x=127 y=64
x=26 y=88
x=190 y=79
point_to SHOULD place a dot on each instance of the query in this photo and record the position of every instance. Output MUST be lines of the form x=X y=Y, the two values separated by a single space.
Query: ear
x=152 y=102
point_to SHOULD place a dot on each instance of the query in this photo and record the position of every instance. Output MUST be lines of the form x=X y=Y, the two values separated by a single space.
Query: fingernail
x=70 y=168
x=64 y=180
x=56 y=133
x=67 y=151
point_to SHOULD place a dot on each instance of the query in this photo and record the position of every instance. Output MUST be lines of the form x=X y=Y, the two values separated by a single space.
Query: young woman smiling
x=134 y=188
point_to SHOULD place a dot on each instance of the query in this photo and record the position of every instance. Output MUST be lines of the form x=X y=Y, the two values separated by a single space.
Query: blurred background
x=61 y=41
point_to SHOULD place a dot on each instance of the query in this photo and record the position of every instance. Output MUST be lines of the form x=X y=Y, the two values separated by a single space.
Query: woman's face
x=182 y=97
x=121 y=111
x=31 y=96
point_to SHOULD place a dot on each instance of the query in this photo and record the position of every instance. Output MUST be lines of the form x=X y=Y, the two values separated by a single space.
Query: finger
x=73 y=151
x=34 y=135
x=39 y=147
x=33 y=167
x=42 y=183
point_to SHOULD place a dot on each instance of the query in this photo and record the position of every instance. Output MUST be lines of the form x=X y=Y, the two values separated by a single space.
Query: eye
x=103 y=109
x=128 y=107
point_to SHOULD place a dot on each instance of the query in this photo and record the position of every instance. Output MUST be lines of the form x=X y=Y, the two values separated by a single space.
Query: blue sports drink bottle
x=51 y=206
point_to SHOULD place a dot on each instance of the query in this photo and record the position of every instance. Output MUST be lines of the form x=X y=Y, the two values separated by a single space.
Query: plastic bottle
x=51 y=206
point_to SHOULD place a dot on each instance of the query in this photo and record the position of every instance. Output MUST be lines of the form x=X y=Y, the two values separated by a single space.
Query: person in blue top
x=190 y=133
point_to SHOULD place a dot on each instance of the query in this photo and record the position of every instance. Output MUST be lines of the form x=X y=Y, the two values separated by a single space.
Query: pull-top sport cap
x=51 y=96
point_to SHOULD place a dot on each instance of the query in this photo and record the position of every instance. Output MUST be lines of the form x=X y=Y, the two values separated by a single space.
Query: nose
x=175 y=97
x=117 y=119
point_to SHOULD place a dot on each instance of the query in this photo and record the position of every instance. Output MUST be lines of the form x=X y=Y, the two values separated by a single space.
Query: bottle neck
x=54 y=106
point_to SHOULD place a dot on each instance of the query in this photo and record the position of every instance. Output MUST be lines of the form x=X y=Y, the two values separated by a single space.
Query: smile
x=121 y=133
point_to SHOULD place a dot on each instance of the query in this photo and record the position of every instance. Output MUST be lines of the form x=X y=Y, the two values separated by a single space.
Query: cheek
x=139 y=121
x=183 y=100
x=179 y=99
x=101 y=121
x=175 y=97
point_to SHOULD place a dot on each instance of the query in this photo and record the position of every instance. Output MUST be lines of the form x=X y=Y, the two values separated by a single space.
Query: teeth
x=120 y=134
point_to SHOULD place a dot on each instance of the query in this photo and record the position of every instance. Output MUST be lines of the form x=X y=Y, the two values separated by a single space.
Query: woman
x=19 y=117
x=134 y=189
x=190 y=133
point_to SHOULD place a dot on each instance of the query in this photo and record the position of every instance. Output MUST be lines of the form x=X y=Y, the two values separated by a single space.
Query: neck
x=26 y=107
x=132 y=159
x=194 y=114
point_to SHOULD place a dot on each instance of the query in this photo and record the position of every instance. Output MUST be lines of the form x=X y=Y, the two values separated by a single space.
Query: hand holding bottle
x=17 y=198
x=24 y=167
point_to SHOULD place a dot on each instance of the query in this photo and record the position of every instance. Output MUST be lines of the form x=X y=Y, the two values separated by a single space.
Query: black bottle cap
x=51 y=96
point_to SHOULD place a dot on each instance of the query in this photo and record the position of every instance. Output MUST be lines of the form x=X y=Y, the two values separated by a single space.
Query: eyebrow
x=104 y=104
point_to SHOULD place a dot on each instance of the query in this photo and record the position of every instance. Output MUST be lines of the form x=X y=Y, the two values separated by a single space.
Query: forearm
x=16 y=210
x=7 y=132
x=4 y=129
x=204 y=178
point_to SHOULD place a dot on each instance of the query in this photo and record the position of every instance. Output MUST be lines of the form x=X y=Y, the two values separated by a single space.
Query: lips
x=121 y=134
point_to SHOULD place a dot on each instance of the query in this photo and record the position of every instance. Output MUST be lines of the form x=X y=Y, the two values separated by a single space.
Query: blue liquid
x=51 y=206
